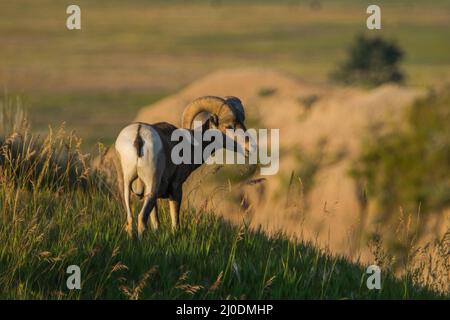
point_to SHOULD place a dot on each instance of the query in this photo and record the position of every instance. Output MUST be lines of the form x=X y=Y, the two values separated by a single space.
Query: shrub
x=370 y=62
x=267 y=92
x=410 y=168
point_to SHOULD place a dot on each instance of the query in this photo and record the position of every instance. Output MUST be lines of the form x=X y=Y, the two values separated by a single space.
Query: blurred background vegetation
x=129 y=54
x=409 y=167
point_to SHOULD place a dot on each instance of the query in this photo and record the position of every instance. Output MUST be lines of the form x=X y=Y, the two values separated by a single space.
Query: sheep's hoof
x=155 y=226
x=141 y=230
x=129 y=230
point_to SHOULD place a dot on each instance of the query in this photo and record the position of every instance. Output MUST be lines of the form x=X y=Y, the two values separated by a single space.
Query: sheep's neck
x=194 y=165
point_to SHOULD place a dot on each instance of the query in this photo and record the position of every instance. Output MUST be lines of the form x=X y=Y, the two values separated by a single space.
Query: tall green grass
x=55 y=212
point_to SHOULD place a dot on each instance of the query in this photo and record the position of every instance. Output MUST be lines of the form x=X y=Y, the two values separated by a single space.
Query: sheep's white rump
x=142 y=159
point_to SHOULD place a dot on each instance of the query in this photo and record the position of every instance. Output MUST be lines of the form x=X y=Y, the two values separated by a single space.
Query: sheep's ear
x=214 y=120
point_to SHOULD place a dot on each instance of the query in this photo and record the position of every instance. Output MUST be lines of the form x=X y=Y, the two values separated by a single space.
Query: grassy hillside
x=56 y=212
x=207 y=258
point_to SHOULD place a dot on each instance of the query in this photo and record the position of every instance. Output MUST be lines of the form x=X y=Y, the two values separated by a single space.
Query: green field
x=207 y=258
x=128 y=54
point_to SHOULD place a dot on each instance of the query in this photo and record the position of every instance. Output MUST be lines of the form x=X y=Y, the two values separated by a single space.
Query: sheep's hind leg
x=126 y=195
x=149 y=205
x=129 y=175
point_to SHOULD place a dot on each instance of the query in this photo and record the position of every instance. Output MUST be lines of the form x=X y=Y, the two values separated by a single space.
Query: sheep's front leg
x=154 y=217
x=174 y=204
x=149 y=204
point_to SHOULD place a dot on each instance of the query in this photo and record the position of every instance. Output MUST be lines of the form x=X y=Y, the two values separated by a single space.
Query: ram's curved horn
x=211 y=104
x=238 y=109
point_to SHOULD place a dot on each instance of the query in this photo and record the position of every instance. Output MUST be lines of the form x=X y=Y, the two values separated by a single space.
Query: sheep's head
x=225 y=114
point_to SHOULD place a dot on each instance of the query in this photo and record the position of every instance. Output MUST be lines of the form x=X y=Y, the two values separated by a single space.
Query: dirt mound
x=251 y=85
x=318 y=123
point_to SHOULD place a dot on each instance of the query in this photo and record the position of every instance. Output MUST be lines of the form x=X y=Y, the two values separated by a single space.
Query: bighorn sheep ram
x=145 y=149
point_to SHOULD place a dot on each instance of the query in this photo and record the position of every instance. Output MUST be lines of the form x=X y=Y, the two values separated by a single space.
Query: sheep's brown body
x=145 y=156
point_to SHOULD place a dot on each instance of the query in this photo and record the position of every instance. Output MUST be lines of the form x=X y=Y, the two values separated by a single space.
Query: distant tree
x=371 y=61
